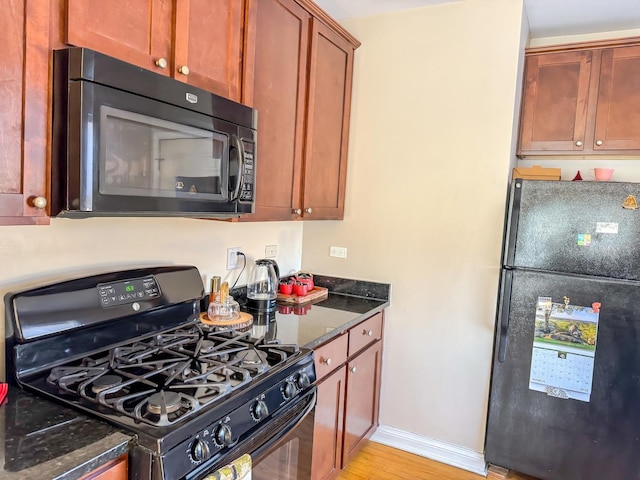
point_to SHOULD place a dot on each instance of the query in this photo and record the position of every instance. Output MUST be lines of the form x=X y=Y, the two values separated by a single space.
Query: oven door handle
x=272 y=443
x=237 y=142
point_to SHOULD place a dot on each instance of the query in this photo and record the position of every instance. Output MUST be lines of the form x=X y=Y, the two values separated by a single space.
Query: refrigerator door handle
x=503 y=313
x=511 y=231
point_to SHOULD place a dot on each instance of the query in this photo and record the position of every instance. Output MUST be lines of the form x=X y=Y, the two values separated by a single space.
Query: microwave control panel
x=128 y=291
x=248 y=178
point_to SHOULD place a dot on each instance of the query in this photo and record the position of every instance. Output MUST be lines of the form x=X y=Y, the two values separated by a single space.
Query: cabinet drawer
x=365 y=333
x=330 y=356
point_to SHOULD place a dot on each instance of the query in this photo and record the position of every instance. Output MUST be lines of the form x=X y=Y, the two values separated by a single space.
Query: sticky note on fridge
x=606 y=227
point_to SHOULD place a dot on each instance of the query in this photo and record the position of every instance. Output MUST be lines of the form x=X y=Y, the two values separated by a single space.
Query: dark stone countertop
x=310 y=325
x=40 y=439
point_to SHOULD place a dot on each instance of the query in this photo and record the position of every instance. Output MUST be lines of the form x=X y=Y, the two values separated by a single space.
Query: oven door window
x=148 y=157
x=284 y=463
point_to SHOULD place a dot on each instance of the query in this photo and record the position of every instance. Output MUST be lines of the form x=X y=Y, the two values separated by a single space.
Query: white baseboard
x=454 y=455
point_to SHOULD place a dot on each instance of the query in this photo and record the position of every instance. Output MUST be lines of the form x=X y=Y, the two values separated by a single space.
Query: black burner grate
x=170 y=375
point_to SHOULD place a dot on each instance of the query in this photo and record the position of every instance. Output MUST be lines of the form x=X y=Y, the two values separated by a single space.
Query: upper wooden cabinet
x=287 y=58
x=301 y=86
x=24 y=114
x=618 y=113
x=327 y=132
x=554 y=109
x=199 y=42
x=582 y=99
x=278 y=92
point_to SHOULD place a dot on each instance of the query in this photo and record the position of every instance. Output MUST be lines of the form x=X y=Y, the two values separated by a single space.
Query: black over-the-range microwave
x=131 y=142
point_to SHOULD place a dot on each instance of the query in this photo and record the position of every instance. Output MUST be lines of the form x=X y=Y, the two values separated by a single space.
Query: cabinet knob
x=579 y=143
x=184 y=70
x=368 y=333
x=353 y=369
x=599 y=142
x=308 y=210
x=326 y=361
x=161 y=62
x=297 y=211
x=39 y=202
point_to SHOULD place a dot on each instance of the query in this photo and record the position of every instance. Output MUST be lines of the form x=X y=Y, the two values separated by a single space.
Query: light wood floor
x=379 y=462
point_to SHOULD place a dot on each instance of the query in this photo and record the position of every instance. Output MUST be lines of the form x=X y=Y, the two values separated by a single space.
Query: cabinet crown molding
x=320 y=14
x=591 y=45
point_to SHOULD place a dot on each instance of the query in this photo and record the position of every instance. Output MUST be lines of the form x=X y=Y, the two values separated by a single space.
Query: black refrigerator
x=564 y=400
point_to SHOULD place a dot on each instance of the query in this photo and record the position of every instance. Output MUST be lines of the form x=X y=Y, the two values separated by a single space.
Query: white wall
x=70 y=248
x=430 y=154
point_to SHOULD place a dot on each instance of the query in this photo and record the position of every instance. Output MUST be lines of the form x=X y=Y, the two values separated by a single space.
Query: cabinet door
x=134 y=31
x=554 y=106
x=208 y=42
x=363 y=394
x=329 y=107
x=116 y=469
x=327 y=434
x=279 y=93
x=24 y=64
x=618 y=113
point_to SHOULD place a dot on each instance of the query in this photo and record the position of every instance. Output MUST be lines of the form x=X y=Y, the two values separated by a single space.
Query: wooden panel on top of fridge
x=329 y=107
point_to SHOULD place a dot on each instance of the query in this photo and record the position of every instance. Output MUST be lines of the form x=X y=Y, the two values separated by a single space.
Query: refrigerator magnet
x=584 y=239
x=630 y=203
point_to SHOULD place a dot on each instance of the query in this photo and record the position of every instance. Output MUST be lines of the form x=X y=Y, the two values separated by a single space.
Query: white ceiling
x=547 y=18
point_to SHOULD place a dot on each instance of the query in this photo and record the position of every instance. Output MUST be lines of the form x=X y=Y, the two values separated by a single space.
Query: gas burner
x=252 y=357
x=207 y=346
x=169 y=400
x=105 y=382
x=168 y=376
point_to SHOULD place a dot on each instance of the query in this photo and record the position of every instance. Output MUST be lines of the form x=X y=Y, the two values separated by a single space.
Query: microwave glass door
x=149 y=157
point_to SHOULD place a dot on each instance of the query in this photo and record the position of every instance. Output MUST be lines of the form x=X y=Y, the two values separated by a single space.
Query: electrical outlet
x=232 y=258
x=340 y=252
x=271 y=251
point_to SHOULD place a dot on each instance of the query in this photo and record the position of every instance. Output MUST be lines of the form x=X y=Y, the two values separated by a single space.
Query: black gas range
x=129 y=347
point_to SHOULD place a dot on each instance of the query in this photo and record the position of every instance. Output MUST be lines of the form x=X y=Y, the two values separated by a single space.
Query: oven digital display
x=128 y=291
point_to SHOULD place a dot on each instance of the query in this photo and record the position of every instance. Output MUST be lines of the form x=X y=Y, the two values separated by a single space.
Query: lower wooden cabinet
x=327 y=434
x=116 y=469
x=361 y=405
x=348 y=372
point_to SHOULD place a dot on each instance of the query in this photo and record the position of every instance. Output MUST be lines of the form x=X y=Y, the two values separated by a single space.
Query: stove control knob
x=302 y=381
x=288 y=390
x=259 y=410
x=200 y=451
x=222 y=435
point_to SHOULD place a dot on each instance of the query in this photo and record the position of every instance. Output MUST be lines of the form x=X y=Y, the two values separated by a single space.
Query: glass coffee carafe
x=262 y=289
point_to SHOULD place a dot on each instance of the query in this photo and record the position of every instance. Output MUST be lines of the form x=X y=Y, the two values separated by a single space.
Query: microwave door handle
x=240 y=148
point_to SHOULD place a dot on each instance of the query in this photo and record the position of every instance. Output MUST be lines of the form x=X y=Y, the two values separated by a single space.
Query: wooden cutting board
x=244 y=320
x=315 y=294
